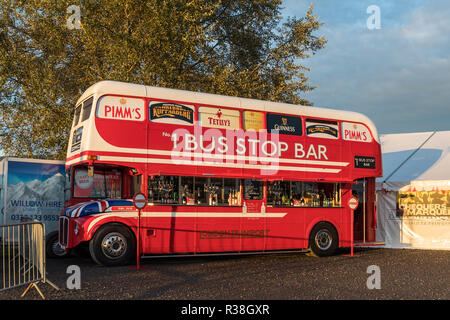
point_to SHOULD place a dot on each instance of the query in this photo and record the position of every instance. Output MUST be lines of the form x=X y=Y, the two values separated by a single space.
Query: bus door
x=364 y=214
x=253 y=226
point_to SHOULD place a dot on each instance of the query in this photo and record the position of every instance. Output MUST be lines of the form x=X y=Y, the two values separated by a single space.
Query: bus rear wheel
x=53 y=248
x=323 y=240
x=112 y=245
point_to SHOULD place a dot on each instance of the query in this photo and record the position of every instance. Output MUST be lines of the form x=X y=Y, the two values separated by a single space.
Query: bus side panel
x=286 y=232
x=169 y=229
x=221 y=233
x=155 y=238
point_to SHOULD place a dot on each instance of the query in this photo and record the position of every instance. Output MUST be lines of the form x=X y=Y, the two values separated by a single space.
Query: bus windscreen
x=105 y=183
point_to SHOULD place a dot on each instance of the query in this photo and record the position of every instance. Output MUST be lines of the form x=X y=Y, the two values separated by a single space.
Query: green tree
x=232 y=47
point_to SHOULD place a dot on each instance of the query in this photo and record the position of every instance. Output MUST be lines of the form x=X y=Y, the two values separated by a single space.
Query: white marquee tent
x=413 y=196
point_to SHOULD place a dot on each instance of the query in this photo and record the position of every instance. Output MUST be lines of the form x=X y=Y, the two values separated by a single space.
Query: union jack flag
x=93 y=207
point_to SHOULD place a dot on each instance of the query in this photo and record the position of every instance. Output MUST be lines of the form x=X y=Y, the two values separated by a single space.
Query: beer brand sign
x=253 y=120
x=219 y=118
x=283 y=124
x=171 y=113
x=355 y=132
x=121 y=108
x=322 y=129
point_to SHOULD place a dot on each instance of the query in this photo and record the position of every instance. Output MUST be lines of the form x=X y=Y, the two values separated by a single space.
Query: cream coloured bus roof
x=139 y=90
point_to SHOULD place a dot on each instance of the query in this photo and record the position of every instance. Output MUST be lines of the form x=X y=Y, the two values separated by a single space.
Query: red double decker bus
x=221 y=174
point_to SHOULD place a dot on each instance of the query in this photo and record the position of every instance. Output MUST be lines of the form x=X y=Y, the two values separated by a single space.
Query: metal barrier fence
x=22 y=251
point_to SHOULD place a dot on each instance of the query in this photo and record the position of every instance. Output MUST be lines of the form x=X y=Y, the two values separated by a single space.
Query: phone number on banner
x=44 y=217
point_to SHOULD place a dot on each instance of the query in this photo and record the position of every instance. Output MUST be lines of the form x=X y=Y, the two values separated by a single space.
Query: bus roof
x=138 y=90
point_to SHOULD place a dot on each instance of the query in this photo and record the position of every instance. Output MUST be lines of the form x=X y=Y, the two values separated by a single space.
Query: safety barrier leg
x=35 y=285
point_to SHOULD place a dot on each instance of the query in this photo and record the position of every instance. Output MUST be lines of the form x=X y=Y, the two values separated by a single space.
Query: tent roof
x=416 y=156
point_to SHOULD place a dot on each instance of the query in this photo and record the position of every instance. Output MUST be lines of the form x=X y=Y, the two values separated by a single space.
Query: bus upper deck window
x=77 y=115
x=87 y=106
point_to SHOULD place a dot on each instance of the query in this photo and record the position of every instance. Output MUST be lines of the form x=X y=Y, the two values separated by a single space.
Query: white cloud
x=428 y=24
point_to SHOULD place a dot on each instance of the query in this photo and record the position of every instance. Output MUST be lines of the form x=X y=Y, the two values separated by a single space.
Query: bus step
x=369 y=244
x=213 y=254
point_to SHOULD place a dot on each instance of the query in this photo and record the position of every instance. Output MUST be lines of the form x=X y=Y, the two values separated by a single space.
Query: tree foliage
x=232 y=47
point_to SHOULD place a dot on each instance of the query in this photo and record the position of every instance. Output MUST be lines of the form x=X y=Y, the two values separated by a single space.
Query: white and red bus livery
x=221 y=174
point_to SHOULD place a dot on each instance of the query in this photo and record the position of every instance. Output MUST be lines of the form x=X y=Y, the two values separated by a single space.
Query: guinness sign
x=277 y=123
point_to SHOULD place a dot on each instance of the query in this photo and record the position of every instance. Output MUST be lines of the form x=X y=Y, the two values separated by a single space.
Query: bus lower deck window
x=303 y=194
x=204 y=191
x=163 y=189
x=253 y=189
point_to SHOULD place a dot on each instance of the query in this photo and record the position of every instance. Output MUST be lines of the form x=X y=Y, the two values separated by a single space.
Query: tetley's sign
x=219 y=118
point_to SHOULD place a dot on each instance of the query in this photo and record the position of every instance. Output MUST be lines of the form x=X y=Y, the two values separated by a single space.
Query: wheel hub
x=114 y=245
x=323 y=239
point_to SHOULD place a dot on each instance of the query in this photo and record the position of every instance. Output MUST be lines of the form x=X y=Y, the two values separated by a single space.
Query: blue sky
x=398 y=75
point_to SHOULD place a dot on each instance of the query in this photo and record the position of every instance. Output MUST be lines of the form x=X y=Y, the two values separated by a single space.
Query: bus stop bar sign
x=353 y=203
x=139 y=201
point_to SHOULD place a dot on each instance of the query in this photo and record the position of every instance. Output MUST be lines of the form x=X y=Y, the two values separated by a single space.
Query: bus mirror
x=90 y=171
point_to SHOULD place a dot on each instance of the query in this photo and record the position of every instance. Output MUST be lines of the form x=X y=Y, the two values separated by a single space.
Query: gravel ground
x=404 y=274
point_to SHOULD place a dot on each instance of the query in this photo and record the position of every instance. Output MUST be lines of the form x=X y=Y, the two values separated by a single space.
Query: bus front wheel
x=323 y=240
x=112 y=245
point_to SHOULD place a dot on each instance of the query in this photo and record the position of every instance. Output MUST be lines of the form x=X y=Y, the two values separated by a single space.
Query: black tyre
x=323 y=240
x=52 y=246
x=112 y=245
